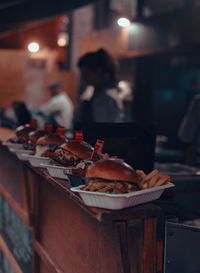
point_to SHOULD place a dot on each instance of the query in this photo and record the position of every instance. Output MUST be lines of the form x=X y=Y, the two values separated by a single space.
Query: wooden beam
x=46 y=258
x=9 y=256
x=15 y=206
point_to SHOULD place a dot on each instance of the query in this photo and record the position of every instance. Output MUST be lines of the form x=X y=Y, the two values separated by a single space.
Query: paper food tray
x=12 y=145
x=20 y=153
x=64 y=173
x=57 y=171
x=120 y=201
x=35 y=161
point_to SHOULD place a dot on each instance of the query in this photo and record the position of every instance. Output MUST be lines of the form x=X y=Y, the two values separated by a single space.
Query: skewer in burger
x=47 y=144
x=75 y=154
x=111 y=176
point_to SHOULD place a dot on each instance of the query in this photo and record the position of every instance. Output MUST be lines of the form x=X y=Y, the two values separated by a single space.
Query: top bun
x=79 y=148
x=23 y=131
x=35 y=135
x=51 y=139
x=112 y=169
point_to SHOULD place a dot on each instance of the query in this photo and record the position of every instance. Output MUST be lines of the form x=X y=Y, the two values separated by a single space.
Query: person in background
x=22 y=113
x=58 y=110
x=189 y=131
x=101 y=101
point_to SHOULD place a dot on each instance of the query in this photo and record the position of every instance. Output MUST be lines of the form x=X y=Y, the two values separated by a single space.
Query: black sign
x=17 y=236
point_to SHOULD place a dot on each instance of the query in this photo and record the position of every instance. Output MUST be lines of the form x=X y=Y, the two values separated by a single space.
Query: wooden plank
x=123 y=244
x=15 y=206
x=9 y=256
x=46 y=258
x=159 y=256
x=150 y=246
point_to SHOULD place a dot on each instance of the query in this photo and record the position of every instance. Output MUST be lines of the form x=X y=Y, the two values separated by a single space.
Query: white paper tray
x=21 y=153
x=120 y=201
x=64 y=173
x=35 y=161
x=57 y=171
x=11 y=145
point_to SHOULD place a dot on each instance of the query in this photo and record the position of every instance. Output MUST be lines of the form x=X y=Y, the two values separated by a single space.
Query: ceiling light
x=33 y=47
x=123 y=22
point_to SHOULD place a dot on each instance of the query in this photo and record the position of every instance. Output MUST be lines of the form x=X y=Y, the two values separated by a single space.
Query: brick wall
x=18 y=81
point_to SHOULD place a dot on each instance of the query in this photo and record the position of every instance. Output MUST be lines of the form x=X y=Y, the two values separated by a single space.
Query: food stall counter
x=59 y=233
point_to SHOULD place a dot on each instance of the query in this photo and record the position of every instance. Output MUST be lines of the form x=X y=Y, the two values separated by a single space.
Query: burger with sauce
x=111 y=176
x=75 y=154
x=72 y=152
x=47 y=144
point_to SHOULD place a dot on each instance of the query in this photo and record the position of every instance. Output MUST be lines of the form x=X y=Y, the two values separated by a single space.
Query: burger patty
x=18 y=140
x=110 y=186
x=64 y=157
x=29 y=146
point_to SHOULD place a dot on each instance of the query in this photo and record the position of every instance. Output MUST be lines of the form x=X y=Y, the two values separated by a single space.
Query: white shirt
x=61 y=107
x=189 y=131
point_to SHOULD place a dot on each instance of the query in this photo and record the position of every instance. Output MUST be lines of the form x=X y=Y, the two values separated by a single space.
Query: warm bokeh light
x=33 y=47
x=62 y=42
x=63 y=39
x=123 y=22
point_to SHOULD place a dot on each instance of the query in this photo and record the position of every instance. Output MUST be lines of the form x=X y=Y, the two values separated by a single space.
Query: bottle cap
x=60 y=131
x=33 y=123
x=48 y=127
x=78 y=135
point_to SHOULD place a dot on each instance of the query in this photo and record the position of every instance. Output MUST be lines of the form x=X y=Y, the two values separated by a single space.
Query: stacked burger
x=117 y=177
x=22 y=133
x=33 y=136
x=47 y=144
x=76 y=155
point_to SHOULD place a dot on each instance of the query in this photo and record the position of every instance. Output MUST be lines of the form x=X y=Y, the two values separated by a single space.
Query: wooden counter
x=40 y=214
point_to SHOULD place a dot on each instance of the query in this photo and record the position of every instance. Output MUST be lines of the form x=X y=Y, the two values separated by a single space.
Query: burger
x=33 y=137
x=22 y=134
x=112 y=176
x=75 y=154
x=47 y=144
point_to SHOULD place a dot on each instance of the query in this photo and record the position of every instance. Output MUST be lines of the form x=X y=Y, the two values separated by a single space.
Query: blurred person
x=189 y=131
x=22 y=113
x=101 y=101
x=58 y=110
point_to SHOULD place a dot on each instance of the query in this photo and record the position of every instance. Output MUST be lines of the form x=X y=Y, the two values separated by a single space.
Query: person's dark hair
x=54 y=85
x=101 y=59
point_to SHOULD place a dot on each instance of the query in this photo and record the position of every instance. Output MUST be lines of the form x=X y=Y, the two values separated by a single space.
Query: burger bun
x=112 y=169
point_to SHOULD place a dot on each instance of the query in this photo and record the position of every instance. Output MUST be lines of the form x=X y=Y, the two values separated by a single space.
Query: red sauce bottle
x=48 y=127
x=60 y=131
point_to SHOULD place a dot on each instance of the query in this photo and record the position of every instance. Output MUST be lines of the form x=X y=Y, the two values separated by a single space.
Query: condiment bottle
x=48 y=127
x=60 y=131
x=33 y=123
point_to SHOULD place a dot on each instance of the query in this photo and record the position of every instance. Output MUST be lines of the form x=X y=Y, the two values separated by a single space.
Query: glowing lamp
x=123 y=22
x=63 y=39
x=33 y=47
